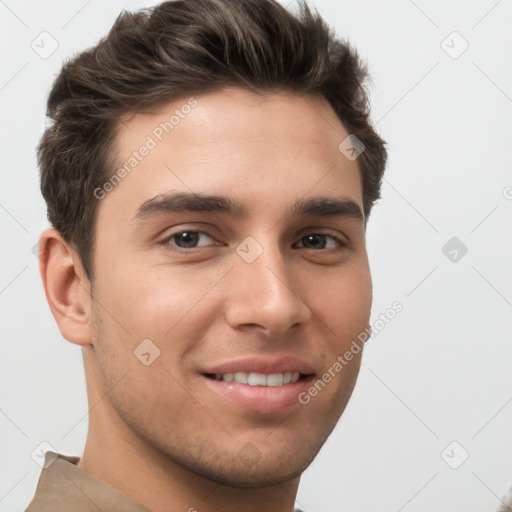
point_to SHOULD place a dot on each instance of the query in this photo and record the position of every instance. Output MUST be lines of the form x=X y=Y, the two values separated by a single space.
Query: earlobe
x=66 y=286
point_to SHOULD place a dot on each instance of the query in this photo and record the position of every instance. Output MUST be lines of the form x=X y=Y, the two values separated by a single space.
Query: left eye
x=320 y=239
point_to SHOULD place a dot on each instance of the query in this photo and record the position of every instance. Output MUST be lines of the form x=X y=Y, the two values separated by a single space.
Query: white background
x=439 y=372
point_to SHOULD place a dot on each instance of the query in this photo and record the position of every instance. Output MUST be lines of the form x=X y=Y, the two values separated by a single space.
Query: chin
x=261 y=474
x=251 y=468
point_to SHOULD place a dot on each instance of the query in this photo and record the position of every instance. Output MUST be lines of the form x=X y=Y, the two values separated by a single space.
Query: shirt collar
x=63 y=486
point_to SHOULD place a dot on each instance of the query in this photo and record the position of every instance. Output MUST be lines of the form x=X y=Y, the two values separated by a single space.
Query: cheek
x=145 y=302
x=344 y=302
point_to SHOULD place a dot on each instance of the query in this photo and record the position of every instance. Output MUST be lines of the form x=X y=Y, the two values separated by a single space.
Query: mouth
x=259 y=385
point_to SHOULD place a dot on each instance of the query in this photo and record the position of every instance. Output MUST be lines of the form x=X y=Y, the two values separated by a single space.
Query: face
x=212 y=319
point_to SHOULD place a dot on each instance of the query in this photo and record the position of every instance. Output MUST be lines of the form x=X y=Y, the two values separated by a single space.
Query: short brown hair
x=185 y=47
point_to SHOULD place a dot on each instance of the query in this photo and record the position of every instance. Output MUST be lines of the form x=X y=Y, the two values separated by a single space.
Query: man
x=209 y=174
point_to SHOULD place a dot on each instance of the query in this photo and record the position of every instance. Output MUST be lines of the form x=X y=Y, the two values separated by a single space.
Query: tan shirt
x=64 y=487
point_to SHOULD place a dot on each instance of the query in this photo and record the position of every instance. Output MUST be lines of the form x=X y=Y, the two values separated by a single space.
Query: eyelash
x=167 y=239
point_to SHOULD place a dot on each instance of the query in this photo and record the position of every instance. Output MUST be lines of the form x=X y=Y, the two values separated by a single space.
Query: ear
x=66 y=286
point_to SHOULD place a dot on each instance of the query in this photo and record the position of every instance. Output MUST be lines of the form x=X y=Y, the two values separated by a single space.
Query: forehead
x=256 y=147
x=231 y=108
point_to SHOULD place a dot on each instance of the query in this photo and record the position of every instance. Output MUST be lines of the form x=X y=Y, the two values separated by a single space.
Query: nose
x=266 y=294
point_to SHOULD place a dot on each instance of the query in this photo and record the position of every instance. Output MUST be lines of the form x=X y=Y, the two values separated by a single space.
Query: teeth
x=259 y=379
x=240 y=377
x=275 y=379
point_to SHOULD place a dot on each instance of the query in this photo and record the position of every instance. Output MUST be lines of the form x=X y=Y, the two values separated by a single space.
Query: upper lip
x=258 y=364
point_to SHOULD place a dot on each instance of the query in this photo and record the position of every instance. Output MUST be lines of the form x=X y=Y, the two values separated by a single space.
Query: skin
x=171 y=442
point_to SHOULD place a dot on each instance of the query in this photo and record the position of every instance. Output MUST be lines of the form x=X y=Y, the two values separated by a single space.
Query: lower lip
x=263 y=399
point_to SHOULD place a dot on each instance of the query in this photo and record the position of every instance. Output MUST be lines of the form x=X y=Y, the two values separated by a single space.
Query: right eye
x=183 y=240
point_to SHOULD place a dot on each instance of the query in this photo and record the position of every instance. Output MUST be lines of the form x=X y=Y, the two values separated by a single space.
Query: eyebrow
x=322 y=206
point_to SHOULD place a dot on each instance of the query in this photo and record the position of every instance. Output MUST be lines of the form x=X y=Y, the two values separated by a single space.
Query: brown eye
x=185 y=239
x=318 y=241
